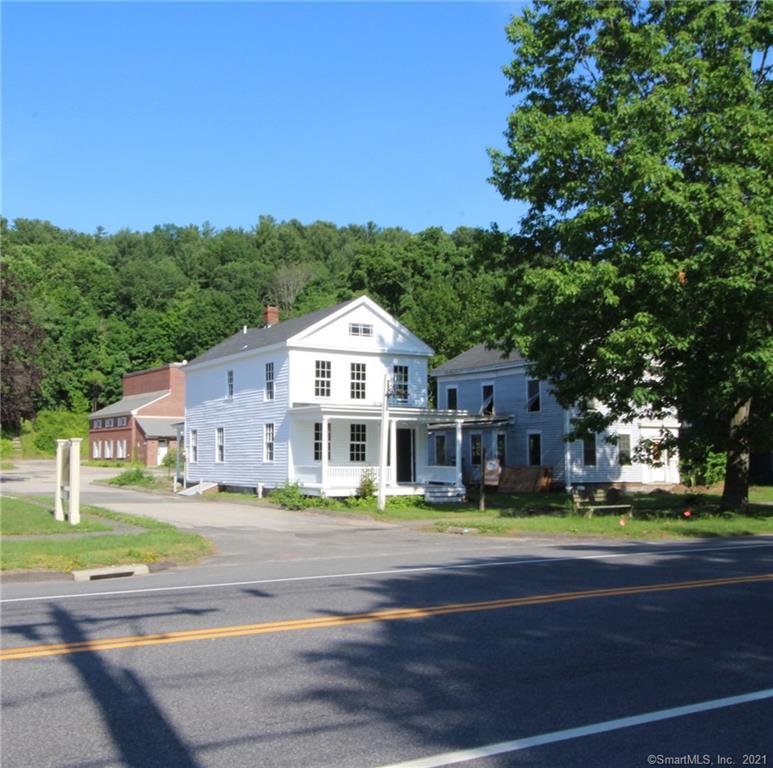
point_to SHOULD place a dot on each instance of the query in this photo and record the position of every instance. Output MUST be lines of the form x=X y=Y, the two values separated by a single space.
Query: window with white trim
x=121 y=421
x=533 y=404
x=358 y=439
x=96 y=424
x=360 y=329
x=109 y=423
x=623 y=450
x=400 y=382
x=322 y=378
x=487 y=399
x=318 y=441
x=96 y=449
x=219 y=445
x=108 y=449
x=120 y=449
x=440 y=451
x=229 y=384
x=269 y=381
x=502 y=448
x=268 y=447
x=193 y=446
x=358 y=383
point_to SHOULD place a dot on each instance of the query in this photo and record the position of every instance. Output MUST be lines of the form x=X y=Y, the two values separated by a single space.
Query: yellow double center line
x=395 y=614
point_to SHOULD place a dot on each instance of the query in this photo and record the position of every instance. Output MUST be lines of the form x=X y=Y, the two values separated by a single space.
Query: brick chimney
x=270 y=315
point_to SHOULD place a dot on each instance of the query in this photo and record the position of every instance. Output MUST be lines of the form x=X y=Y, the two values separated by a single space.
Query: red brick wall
x=174 y=403
x=114 y=434
x=152 y=380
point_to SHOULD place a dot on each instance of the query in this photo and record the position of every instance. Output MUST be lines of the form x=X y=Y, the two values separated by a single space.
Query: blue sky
x=136 y=114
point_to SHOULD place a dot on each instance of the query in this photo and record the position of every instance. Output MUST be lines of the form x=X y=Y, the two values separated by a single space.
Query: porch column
x=393 y=450
x=323 y=478
x=459 y=454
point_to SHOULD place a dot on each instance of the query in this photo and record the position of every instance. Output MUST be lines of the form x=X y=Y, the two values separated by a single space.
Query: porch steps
x=197 y=489
x=443 y=494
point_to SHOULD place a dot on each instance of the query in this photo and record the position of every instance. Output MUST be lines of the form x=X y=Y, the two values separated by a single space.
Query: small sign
x=492 y=472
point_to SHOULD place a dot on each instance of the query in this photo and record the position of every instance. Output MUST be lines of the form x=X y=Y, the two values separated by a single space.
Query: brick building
x=140 y=426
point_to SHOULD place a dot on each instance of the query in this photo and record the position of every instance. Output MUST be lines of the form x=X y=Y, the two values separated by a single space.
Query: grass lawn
x=656 y=515
x=761 y=493
x=31 y=516
x=158 y=541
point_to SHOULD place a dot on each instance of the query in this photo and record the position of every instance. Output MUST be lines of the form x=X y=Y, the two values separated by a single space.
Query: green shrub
x=7 y=451
x=289 y=496
x=135 y=476
x=367 y=487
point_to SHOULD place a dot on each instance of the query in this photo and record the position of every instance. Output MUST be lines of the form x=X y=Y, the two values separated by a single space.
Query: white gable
x=361 y=326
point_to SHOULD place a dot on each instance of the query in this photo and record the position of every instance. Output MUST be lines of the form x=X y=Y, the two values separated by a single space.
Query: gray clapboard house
x=523 y=425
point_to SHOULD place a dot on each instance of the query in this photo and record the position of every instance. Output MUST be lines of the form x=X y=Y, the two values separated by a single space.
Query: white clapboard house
x=318 y=400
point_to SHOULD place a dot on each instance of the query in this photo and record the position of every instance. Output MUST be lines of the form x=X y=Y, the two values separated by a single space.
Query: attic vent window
x=360 y=329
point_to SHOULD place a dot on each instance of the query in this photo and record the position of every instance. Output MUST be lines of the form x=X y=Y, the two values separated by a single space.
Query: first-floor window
x=589 y=451
x=269 y=452
x=534 y=448
x=501 y=448
x=108 y=449
x=193 y=447
x=440 y=450
x=357 y=442
x=318 y=441
x=120 y=449
x=624 y=450
x=476 y=449
x=220 y=445
x=97 y=449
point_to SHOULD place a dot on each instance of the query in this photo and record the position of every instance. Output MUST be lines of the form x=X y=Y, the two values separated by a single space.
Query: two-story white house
x=522 y=424
x=317 y=400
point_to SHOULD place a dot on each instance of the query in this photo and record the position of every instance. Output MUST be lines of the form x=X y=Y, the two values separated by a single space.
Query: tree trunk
x=735 y=495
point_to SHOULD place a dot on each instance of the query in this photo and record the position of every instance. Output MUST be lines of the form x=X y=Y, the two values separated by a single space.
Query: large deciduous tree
x=642 y=142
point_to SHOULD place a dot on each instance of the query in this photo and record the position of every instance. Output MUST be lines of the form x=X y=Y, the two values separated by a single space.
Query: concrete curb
x=111 y=572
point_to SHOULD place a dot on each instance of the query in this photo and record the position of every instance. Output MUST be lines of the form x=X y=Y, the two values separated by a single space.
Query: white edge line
x=462 y=756
x=388 y=572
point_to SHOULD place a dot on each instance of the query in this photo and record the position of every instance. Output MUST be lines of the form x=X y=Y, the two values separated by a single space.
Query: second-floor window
x=451 y=400
x=193 y=448
x=532 y=395
x=121 y=421
x=97 y=424
x=358 y=381
x=487 y=397
x=400 y=382
x=229 y=384
x=322 y=378
x=269 y=381
x=109 y=422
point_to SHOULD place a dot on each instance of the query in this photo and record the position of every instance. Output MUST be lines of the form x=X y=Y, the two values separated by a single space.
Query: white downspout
x=382 y=454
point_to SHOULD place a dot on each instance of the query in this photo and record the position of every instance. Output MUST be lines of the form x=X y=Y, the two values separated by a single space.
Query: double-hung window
x=451 y=398
x=534 y=448
x=487 y=397
x=400 y=382
x=623 y=450
x=533 y=396
x=322 y=378
x=229 y=385
x=358 y=381
x=109 y=423
x=193 y=447
x=318 y=441
x=501 y=448
x=589 y=451
x=269 y=381
x=97 y=449
x=121 y=421
x=440 y=450
x=268 y=454
x=476 y=449
x=357 y=442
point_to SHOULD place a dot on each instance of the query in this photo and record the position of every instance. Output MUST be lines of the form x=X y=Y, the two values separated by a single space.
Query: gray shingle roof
x=255 y=338
x=129 y=404
x=477 y=357
x=158 y=426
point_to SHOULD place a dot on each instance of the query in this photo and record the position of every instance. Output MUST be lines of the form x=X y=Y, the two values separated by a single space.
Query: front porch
x=334 y=447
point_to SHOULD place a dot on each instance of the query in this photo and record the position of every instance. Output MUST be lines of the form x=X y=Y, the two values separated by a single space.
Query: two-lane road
x=552 y=655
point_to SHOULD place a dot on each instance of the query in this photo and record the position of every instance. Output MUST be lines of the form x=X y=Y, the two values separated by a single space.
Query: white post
x=567 y=453
x=74 y=509
x=179 y=447
x=323 y=478
x=393 y=449
x=459 y=454
x=382 y=453
x=61 y=447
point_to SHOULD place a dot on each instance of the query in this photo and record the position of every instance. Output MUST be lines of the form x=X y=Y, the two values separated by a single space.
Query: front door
x=163 y=447
x=406 y=439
